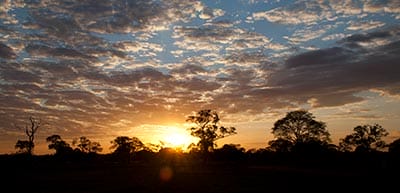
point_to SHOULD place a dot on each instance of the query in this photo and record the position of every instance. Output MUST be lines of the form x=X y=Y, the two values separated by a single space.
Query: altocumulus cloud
x=82 y=65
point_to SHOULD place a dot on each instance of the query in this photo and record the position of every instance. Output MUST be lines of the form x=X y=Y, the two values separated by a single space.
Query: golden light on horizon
x=177 y=138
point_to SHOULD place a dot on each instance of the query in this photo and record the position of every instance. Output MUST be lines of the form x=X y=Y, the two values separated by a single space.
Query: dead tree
x=30 y=130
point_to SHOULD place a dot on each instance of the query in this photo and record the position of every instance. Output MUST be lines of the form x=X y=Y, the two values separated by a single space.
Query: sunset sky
x=108 y=68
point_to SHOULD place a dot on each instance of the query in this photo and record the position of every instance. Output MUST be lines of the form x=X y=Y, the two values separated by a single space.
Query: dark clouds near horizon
x=80 y=64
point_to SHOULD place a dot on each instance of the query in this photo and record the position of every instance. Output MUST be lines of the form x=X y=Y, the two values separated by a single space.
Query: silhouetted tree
x=60 y=146
x=365 y=138
x=26 y=146
x=208 y=129
x=193 y=148
x=86 y=146
x=125 y=146
x=168 y=156
x=151 y=147
x=298 y=131
x=230 y=152
x=280 y=145
x=145 y=155
x=23 y=146
x=394 y=147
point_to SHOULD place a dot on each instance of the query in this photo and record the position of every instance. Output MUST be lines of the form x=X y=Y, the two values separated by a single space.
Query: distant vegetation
x=300 y=157
x=296 y=133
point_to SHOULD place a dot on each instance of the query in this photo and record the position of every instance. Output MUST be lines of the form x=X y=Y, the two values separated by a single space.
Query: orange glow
x=177 y=138
x=166 y=173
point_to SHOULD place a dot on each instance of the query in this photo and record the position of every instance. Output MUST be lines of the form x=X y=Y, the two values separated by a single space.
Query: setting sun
x=178 y=139
x=199 y=95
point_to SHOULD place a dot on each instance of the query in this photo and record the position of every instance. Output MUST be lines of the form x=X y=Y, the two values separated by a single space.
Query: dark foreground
x=185 y=177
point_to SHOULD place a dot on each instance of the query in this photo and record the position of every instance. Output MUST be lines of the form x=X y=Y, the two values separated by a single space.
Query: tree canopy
x=208 y=129
x=126 y=145
x=59 y=145
x=365 y=138
x=298 y=129
x=86 y=146
x=394 y=147
x=24 y=146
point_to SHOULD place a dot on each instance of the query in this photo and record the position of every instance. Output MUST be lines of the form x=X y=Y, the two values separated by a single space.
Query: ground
x=215 y=177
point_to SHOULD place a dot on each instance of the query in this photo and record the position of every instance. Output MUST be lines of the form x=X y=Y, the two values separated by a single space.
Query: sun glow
x=174 y=136
x=178 y=139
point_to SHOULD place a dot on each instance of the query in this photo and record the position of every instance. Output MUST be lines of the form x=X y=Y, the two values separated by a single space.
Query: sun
x=178 y=140
x=167 y=136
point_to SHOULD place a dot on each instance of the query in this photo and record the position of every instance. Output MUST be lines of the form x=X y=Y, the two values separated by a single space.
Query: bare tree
x=27 y=146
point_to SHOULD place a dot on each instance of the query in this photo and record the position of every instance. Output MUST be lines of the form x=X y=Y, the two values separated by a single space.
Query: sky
x=111 y=68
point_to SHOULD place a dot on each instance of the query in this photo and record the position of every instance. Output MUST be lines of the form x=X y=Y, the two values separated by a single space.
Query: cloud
x=209 y=13
x=314 y=12
x=196 y=84
x=301 y=12
x=6 y=52
x=64 y=53
x=245 y=59
x=335 y=55
x=188 y=69
x=346 y=7
x=304 y=35
x=372 y=39
x=390 y=6
x=331 y=76
x=16 y=73
x=334 y=37
x=209 y=34
x=215 y=38
x=114 y=16
x=89 y=30
x=5 y=12
x=95 y=67
x=366 y=25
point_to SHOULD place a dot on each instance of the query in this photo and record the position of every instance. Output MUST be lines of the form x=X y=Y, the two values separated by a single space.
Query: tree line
x=297 y=132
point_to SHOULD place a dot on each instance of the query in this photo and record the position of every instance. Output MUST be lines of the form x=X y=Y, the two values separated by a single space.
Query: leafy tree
x=126 y=144
x=230 y=152
x=60 y=146
x=299 y=131
x=86 y=146
x=280 y=145
x=208 y=129
x=365 y=138
x=232 y=148
x=23 y=146
x=394 y=147
x=26 y=146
